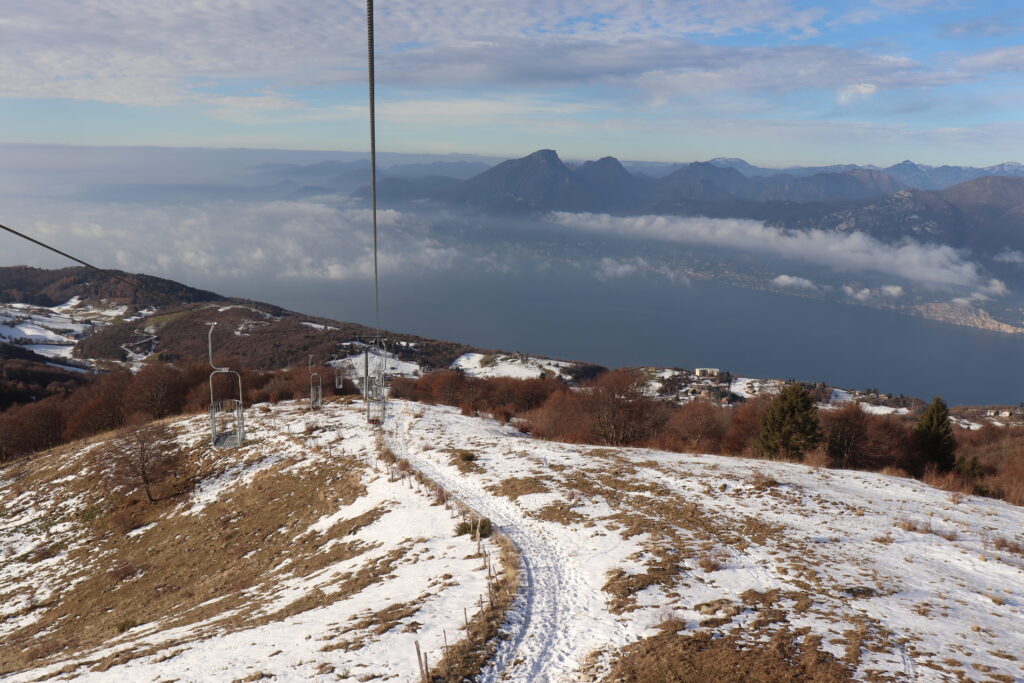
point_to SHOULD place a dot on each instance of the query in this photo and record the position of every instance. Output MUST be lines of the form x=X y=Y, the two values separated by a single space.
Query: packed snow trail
x=552 y=606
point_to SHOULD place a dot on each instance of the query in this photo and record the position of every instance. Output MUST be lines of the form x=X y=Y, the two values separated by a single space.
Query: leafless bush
x=145 y=458
x=712 y=560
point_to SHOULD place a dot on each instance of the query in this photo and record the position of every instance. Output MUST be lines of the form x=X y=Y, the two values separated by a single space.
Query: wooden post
x=419 y=661
x=447 y=658
x=426 y=669
x=465 y=615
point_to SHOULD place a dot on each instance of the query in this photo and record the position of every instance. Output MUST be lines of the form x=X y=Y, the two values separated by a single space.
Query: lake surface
x=648 y=320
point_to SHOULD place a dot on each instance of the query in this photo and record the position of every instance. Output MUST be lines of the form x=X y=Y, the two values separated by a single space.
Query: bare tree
x=145 y=458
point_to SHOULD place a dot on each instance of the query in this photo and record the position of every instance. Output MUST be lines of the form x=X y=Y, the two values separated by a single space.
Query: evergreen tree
x=934 y=438
x=789 y=427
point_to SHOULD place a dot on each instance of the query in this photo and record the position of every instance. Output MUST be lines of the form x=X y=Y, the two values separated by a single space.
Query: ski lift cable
x=135 y=285
x=373 y=163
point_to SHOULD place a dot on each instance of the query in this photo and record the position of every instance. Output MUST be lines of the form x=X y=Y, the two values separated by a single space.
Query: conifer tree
x=934 y=438
x=789 y=427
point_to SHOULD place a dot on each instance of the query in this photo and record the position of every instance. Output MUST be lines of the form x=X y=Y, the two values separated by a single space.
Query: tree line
x=615 y=409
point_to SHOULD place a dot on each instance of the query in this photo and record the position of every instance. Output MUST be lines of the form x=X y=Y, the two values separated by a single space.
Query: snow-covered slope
x=627 y=555
x=355 y=366
x=509 y=365
x=885 y=576
x=293 y=557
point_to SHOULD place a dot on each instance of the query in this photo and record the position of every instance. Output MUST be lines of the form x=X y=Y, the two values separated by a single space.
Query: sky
x=777 y=82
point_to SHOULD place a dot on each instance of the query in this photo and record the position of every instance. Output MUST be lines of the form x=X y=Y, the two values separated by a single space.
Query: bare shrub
x=1007 y=545
x=818 y=458
x=745 y=425
x=762 y=480
x=122 y=571
x=698 y=426
x=144 y=458
x=712 y=560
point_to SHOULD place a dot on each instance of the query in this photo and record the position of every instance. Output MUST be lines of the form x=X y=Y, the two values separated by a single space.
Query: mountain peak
x=546 y=155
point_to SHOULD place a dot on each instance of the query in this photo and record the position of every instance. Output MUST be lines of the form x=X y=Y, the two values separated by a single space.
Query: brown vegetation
x=613 y=410
x=703 y=656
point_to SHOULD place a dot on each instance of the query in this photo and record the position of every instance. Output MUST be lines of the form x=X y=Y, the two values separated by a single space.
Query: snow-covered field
x=618 y=542
x=295 y=557
x=355 y=366
x=509 y=365
x=52 y=332
x=882 y=577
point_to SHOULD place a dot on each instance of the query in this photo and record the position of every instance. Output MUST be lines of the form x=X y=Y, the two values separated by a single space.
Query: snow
x=509 y=365
x=914 y=565
x=317 y=326
x=749 y=387
x=840 y=396
x=439 y=574
x=883 y=410
x=833 y=520
x=354 y=366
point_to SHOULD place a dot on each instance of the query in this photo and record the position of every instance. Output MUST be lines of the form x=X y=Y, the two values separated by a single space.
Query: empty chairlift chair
x=316 y=388
x=227 y=415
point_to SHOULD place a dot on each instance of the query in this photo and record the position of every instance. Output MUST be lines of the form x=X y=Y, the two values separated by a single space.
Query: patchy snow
x=749 y=387
x=909 y=567
x=509 y=365
x=836 y=537
x=354 y=366
x=965 y=423
x=883 y=410
x=414 y=566
x=840 y=396
x=318 y=326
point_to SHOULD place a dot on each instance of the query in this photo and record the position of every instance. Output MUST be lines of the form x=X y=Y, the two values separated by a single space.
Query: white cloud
x=851 y=93
x=862 y=295
x=892 y=291
x=276 y=240
x=794 y=282
x=928 y=264
x=610 y=269
x=1009 y=256
x=244 y=55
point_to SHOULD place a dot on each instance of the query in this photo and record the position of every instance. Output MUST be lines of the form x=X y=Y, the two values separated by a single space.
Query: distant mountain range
x=917 y=176
x=984 y=212
x=543 y=182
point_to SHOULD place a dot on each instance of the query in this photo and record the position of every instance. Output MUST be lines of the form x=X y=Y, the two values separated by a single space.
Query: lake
x=647 y=320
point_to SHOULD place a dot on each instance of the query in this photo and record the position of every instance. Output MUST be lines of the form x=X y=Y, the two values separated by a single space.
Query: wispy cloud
x=794 y=282
x=851 y=93
x=925 y=264
x=271 y=240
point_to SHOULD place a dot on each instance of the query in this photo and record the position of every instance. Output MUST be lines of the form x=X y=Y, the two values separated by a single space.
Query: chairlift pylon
x=316 y=387
x=227 y=416
x=374 y=387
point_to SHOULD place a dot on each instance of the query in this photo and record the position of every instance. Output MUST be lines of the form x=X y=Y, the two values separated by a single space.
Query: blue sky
x=777 y=82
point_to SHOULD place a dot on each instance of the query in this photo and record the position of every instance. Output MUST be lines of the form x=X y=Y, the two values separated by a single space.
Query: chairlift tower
x=316 y=387
x=227 y=416
x=374 y=389
x=374 y=385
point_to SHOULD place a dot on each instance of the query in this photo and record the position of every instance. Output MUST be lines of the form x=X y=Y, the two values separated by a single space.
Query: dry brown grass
x=760 y=480
x=185 y=568
x=1007 y=545
x=465 y=460
x=701 y=657
x=514 y=487
x=467 y=656
x=926 y=527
